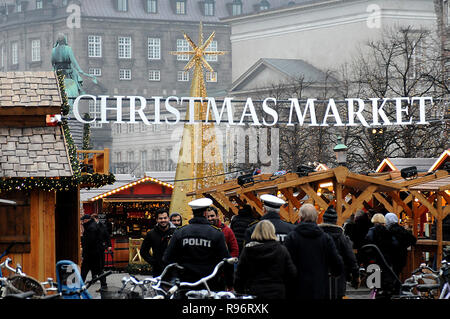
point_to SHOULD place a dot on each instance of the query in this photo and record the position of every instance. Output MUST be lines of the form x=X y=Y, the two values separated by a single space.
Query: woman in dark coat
x=265 y=267
x=382 y=238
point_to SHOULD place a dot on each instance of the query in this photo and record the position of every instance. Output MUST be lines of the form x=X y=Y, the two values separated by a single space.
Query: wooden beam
x=426 y=203
x=383 y=201
x=395 y=196
x=424 y=179
x=253 y=201
x=287 y=192
x=364 y=196
x=439 y=235
x=218 y=196
x=312 y=194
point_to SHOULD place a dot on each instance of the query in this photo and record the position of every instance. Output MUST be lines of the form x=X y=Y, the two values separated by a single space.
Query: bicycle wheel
x=26 y=283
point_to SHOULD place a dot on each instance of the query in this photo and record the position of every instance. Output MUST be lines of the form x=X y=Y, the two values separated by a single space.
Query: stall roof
x=422 y=164
x=130 y=184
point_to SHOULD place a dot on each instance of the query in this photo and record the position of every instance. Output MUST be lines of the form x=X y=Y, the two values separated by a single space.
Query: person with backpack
x=343 y=244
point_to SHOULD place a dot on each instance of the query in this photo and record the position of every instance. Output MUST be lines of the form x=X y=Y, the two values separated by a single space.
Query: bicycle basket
x=26 y=283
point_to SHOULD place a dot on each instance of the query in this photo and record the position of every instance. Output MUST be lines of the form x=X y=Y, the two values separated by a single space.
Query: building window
x=15 y=53
x=124 y=48
x=35 y=50
x=122 y=5
x=144 y=160
x=183 y=76
x=125 y=74
x=211 y=76
x=19 y=6
x=211 y=47
x=94 y=46
x=2 y=57
x=39 y=4
x=95 y=71
x=130 y=156
x=94 y=113
x=448 y=13
x=264 y=5
x=65 y=2
x=182 y=46
x=154 y=48
x=118 y=157
x=180 y=7
x=209 y=7
x=236 y=8
x=152 y=6
x=154 y=75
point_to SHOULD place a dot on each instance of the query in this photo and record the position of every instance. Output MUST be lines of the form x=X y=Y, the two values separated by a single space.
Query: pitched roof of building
x=136 y=9
x=29 y=89
x=33 y=152
x=291 y=68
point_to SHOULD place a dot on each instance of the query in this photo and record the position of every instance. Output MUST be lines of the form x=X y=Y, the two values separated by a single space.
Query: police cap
x=200 y=203
x=272 y=201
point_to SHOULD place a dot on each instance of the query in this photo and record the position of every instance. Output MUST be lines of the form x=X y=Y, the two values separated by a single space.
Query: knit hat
x=391 y=219
x=330 y=216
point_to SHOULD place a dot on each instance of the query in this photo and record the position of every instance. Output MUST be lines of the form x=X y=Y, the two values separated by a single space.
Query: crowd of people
x=276 y=259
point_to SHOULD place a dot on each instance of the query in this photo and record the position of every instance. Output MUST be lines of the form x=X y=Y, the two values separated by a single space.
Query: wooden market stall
x=348 y=192
x=39 y=174
x=35 y=167
x=129 y=212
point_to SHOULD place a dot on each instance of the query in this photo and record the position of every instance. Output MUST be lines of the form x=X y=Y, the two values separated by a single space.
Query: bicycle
x=157 y=288
x=423 y=284
x=207 y=293
x=20 y=283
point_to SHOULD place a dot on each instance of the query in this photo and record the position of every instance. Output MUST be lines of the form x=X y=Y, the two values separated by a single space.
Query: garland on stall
x=60 y=183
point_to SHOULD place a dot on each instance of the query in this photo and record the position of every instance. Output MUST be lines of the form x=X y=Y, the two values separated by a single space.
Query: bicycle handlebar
x=422 y=267
x=230 y=261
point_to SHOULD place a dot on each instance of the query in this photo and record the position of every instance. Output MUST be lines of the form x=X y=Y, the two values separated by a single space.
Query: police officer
x=271 y=207
x=198 y=246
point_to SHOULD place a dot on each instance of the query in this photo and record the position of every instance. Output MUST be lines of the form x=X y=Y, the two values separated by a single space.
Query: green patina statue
x=64 y=60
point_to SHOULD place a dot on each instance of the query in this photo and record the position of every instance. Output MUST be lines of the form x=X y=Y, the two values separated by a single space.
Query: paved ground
x=114 y=281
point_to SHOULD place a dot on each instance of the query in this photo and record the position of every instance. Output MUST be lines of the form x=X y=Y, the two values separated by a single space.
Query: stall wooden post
x=439 y=236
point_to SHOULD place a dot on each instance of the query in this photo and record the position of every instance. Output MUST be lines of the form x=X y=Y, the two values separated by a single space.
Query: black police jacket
x=282 y=228
x=198 y=247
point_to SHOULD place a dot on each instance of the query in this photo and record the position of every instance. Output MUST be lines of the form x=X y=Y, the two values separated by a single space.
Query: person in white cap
x=198 y=246
x=271 y=209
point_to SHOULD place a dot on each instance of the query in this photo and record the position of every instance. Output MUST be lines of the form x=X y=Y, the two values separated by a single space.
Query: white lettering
x=270 y=111
x=250 y=105
x=400 y=110
x=301 y=118
x=172 y=110
x=332 y=106
x=217 y=116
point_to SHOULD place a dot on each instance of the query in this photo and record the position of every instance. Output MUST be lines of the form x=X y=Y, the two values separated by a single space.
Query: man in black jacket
x=315 y=256
x=240 y=223
x=344 y=247
x=157 y=239
x=198 y=246
x=92 y=248
x=272 y=206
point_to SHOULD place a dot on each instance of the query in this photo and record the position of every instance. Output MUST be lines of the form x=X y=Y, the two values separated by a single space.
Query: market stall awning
x=144 y=189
